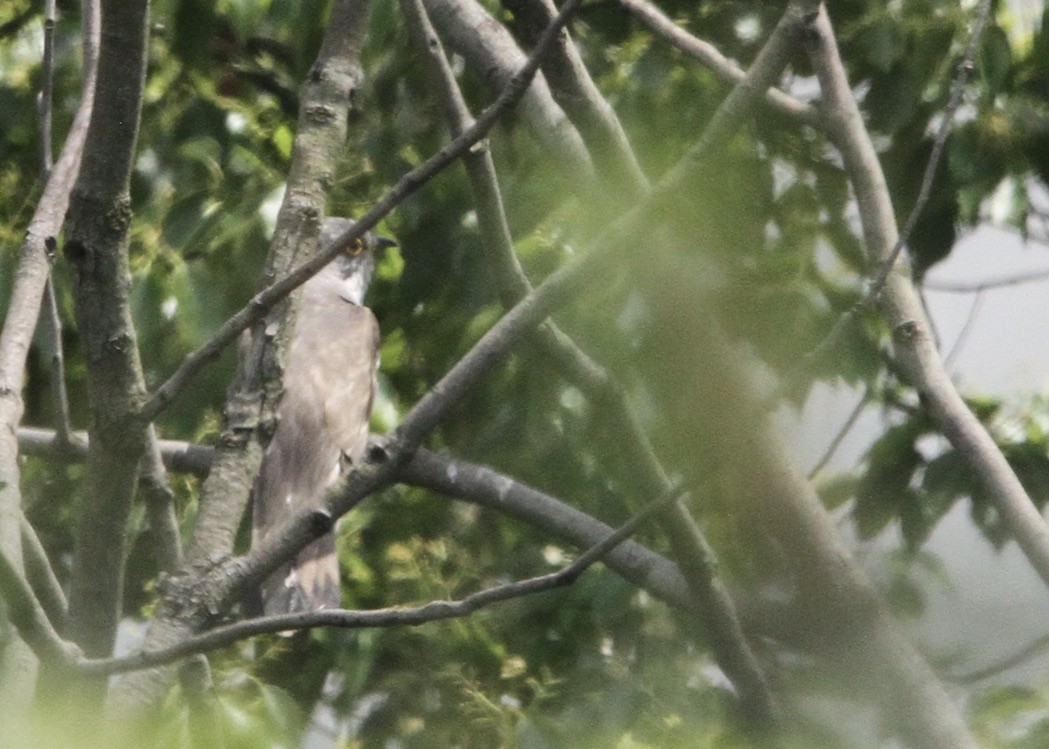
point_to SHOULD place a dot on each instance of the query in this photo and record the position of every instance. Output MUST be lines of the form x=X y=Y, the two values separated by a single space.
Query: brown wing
x=329 y=385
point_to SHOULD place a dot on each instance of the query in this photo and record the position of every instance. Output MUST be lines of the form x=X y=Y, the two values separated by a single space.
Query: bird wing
x=329 y=385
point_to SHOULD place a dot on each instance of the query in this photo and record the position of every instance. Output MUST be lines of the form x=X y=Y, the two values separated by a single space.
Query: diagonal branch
x=27 y=615
x=901 y=306
x=34 y=266
x=578 y=95
x=886 y=264
x=41 y=577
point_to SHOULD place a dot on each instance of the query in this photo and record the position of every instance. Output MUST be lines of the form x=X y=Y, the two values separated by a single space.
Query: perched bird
x=322 y=426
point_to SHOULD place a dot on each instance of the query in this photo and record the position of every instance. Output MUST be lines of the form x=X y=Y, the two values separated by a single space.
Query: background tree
x=713 y=242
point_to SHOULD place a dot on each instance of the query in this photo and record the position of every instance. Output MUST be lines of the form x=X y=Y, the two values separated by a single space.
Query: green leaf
x=994 y=60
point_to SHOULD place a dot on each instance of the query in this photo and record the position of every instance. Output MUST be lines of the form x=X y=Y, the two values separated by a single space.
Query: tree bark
x=17 y=664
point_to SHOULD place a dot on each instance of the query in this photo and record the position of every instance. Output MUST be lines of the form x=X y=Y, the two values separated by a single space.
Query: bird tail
x=308 y=583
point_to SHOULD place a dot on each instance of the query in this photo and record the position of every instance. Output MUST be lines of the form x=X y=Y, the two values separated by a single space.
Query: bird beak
x=384 y=243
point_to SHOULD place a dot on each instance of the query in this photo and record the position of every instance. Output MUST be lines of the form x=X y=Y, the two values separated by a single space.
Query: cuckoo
x=323 y=416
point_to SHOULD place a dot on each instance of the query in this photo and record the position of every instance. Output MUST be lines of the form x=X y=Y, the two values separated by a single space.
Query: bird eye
x=355 y=247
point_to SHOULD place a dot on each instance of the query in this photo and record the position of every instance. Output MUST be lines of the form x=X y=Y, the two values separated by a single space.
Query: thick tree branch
x=34 y=267
x=97 y=247
x=900 y=304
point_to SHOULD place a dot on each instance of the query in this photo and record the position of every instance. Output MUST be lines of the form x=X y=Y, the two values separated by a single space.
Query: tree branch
x=492 y=52
x=887 y=264
x=901 y=306
x=34 y=266
x=28 y=616
x=724 y=68
x=590 y=112
x=41 y=577
x=97 y=250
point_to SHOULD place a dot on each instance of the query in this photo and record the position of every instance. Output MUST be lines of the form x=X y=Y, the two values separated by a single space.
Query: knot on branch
x=321 y=522
x=320 y=114
x=907 y=332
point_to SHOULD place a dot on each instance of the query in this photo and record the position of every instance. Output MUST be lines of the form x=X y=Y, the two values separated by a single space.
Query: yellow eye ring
x=356 y=246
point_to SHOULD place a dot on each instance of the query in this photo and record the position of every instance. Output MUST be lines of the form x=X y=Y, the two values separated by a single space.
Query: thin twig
x=1026 y=653
x=45 y=99
x=397 y=616
x=988 y=285
x=963 y=334
x=50 y=322
x=407 y=185
x=835 y=443
x=51 y=325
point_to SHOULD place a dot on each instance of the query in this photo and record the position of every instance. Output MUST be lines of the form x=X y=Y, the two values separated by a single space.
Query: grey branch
x=34 y=267
x=887 y=264
x=578 y=95
x=489 y=49
x=709 y=55
x=900 y=305
x=41 y=577
x=27 y=615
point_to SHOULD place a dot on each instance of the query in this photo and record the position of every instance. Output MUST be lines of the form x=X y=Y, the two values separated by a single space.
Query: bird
x=322 y=418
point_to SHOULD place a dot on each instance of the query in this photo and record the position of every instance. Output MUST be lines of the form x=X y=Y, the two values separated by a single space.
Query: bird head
x=356 y=263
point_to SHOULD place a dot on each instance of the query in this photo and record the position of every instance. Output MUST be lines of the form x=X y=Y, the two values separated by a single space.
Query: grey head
x=354 y=266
